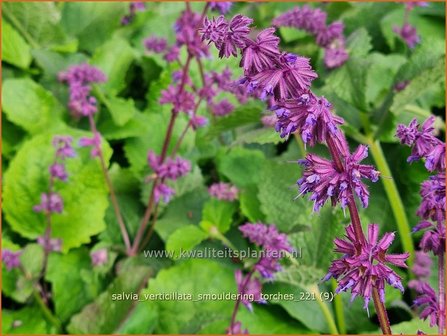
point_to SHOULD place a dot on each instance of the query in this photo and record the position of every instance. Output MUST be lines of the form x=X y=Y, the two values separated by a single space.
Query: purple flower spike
x=11 y=259
x=50 y=203
x=198 y=122
x=427 y=299
x=99 y=257
x=223 y=7
x=323 y=180
x=57 y=170
x=182 y=102
x=433 y=198
x=156 y=44
x=309 y=115
x=50 y=245
x=223 y=191
x=236 y=329
x=171 y=169
x=162 y=191
x=63 y=146
x=252 y=288
x=409 y=34
x=222 y=108
x=94 y=142
x=364 y=265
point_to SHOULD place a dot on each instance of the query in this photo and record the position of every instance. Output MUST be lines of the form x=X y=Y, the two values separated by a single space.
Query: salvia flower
x=133 y=8
x=11 y=259
x=223 y=191
x=273 y=243
x=50 y=244
x=310 y=115
x=408 y=33
x=156 y=44
x=322 y=179
x=364 y=265
x=421 y=269
x=433 y=198
x=50 y=202
x=198 y=121
x=427 y=299
x=313 y=21
x=181 y=101
x=78 y=78
x=433 y=239
x=99 y=257
x=163 y=191
x=63 y=146
x=222 y=7
x=172 y=168
x=251 y=287
x=236 y=329
x=94 y=142
x=57 y=170
x=222 y=108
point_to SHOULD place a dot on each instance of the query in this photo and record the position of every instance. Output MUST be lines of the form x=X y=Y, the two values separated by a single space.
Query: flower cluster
x=274 y=244
x=363 y=266
x=99 y=257
x=79 y=78
x=11 y=259
x=51 y=201
x=223 y=191
x=432 y=150
x=134 y=7
x=432 y=211
x=222 y=7
x=313 y=20
x=323 y=180
x=407 y=32
x=170 y=169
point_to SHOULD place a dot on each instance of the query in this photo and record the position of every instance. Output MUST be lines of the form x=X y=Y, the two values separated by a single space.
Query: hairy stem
x=355 y=219
x=47 y=312
x=124 y=233
x=441 y=293
x=164 y=150
x=238 y=301
x=395 y=201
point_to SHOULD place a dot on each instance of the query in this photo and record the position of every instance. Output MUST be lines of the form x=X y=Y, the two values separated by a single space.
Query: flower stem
x=324 y=308
x=441 y=293
x=113 y=198
x=47 y=312
x=339 y=313
x=164 y=150
x=355 y=219
x=238 y=301
x=395 y=201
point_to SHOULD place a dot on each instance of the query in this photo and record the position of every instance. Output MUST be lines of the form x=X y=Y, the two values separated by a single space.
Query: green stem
x=339 y=313
x=395 y=201
x=47 y=312
x=325 y=309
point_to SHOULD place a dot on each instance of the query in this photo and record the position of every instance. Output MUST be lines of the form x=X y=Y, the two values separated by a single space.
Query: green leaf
x=410 y=328
x=109 y=312
x=15 y=50
x=219 y=214
x=92 y=22
x=184 y=239
x=37 y=22
x=260 y=136
x=122 y=110
x=182 y=211
x=114 y=59
x=276 y=194
x=359 y=43
x=25 y=321
x=250 y=205
x=242 y=115
x=289 y=34
x=19 y=284
x=418 y=86
x=138 y=126
x=241 y=166
x=29 y=105
x=84 y=195
x=64 y=274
